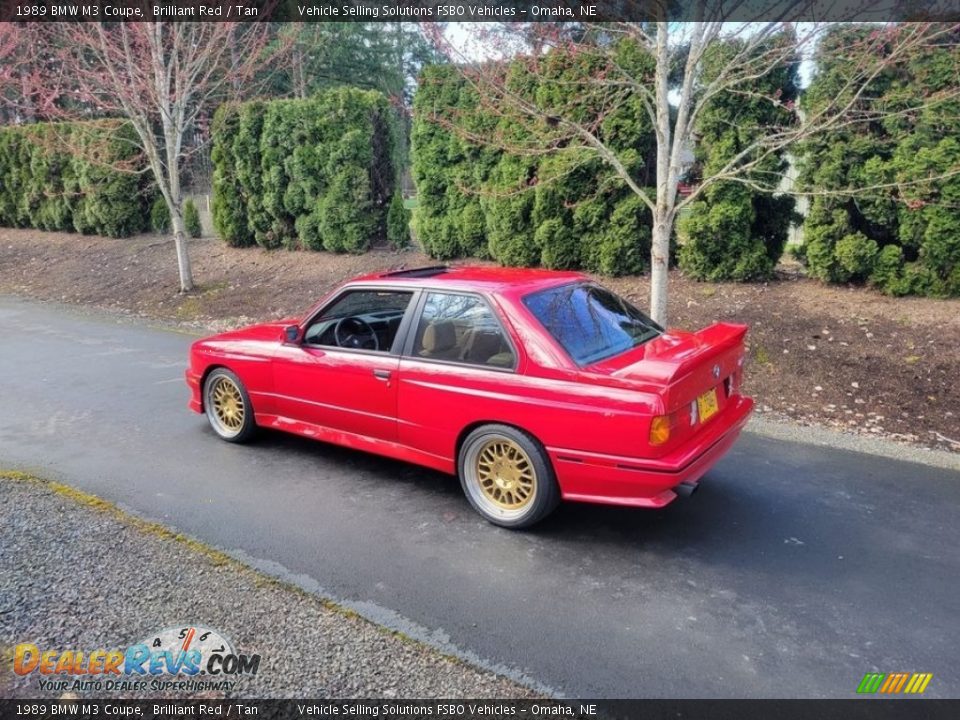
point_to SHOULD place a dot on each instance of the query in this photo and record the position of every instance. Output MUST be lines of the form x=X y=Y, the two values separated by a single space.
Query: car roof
x=475 y=278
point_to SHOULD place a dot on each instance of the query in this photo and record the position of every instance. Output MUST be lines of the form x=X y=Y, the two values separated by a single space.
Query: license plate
x=707 y=405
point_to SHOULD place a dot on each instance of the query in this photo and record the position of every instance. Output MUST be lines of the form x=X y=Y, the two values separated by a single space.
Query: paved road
x=795 y=569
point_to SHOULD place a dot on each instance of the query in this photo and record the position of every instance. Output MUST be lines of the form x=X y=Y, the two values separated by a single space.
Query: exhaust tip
x=686 y=489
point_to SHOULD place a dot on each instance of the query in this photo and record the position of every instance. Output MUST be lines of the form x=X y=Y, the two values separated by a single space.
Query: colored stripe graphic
x=890 y=682
x=871 y=682
x=901 y=682
x=893 y=683
x=920 y=682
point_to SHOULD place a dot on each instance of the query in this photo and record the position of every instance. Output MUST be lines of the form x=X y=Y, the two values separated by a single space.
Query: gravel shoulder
x=78 y=573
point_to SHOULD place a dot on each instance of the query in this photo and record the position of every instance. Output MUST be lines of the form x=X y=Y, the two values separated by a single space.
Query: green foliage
x=191 y=219
x=564 y=210
x=317 y=174
x=346 y=217
x=229 y=199
x=398 y=222
x=734 y=232
x=160 y=215
x=903 y=236
x=855 y=256
x=450 y=221
x=82 y=176
x=559 y=249
x=622 y=247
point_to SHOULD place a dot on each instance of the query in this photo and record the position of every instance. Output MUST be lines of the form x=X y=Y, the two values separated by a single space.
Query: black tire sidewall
x=547 y=494
x=249 y=424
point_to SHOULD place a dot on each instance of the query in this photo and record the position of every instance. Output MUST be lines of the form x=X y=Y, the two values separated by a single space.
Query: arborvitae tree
x=229 y=212
x=191 y=219
x=316 y=173
x=81 y=176
x=873 y=217
x=736 y=232
x=494 y=198
x=398 y=222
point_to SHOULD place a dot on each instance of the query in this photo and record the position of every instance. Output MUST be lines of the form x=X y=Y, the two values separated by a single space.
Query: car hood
x=252 y=339
x=261 y=331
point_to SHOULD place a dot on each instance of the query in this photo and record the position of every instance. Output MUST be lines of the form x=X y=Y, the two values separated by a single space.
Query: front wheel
x=228 y=407
x=507 y=477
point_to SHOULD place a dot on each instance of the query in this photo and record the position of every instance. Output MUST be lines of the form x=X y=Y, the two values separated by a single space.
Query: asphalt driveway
x=791 y=573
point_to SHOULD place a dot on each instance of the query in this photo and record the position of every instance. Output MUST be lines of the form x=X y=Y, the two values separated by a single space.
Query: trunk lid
x=684 y=364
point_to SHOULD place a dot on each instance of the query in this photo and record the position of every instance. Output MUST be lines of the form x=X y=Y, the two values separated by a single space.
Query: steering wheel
x=352 y=332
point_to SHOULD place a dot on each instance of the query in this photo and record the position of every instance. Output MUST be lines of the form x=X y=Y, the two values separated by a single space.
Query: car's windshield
x=591 y=323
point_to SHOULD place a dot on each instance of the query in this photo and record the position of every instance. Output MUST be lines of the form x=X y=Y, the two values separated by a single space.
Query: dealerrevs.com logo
x=188 y=659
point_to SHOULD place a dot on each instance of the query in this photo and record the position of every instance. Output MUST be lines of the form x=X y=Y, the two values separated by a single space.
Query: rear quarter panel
x=437 y=402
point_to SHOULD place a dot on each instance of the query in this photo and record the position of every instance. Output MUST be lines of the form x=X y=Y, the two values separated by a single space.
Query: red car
x=533 y=386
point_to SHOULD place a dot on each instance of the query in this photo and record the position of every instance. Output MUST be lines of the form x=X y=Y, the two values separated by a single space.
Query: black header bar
x=476 y=10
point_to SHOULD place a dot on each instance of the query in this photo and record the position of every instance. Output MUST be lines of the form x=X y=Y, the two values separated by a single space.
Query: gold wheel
x=227 y=402
x=505 y=474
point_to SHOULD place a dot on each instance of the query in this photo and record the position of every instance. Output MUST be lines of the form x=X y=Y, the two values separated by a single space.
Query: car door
x=339 y=377
x=459 y=364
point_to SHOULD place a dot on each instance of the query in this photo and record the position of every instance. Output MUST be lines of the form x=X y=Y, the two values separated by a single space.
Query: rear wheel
x=507 y=477
x=228 y=407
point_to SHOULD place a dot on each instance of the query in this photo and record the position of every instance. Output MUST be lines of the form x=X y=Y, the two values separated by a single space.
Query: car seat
x=439 y=341
x=485 y=347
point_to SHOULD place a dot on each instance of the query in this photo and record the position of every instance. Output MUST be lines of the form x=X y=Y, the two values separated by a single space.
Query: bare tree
x=673 y=85
x=161 y=77
x=29 y=82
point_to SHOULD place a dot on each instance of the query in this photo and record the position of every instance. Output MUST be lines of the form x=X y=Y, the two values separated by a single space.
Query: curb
x=826 y=437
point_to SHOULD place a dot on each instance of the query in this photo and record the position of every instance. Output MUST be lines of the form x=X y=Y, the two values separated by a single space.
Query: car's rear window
x=590 y=322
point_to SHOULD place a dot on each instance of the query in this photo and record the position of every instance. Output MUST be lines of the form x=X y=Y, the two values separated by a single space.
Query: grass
x=761 y=356
x=411 y=203
x=191 y=306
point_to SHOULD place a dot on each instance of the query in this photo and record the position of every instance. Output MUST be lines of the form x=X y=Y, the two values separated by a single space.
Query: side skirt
x=357 y=442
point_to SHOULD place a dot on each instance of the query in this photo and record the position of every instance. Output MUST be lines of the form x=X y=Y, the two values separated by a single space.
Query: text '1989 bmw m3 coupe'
x=532 y=386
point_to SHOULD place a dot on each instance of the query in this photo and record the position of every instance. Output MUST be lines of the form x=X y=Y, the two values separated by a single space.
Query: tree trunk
x=183 y=257
x=659 y=266
x=660 y=246
x=173 y=136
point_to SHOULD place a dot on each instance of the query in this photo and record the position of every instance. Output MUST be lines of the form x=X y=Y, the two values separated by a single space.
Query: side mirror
x=291 y=334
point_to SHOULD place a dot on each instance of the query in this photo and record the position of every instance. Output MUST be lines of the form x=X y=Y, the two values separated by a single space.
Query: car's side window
x=360 y=320
x=461 y=328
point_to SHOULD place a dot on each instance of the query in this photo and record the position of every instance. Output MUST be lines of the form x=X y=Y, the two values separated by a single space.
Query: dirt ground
x=845 y=357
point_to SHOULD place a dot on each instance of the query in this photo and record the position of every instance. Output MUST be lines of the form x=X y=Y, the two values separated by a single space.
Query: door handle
x=381 y=374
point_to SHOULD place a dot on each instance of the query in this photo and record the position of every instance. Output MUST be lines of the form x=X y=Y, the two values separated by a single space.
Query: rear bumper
x=638 y=482
x=196 y=399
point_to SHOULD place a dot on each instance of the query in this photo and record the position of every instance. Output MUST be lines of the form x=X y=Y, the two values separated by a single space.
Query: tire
x=525 y=492
x=228 y=407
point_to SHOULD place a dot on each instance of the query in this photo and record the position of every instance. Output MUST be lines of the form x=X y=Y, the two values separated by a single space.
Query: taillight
x=733 y=383
x=660 y=428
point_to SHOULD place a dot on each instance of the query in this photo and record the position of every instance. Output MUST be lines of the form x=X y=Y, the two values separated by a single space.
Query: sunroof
x=429 y=271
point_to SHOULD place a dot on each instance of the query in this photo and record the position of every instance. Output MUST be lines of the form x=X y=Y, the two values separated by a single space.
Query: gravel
x=76 y=573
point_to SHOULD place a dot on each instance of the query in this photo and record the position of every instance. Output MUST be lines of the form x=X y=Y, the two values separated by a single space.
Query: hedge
x=732 y=231
x=83 y=176
x=567 y=210
x=317 y=174
x=191 y=219
x=904 y=236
